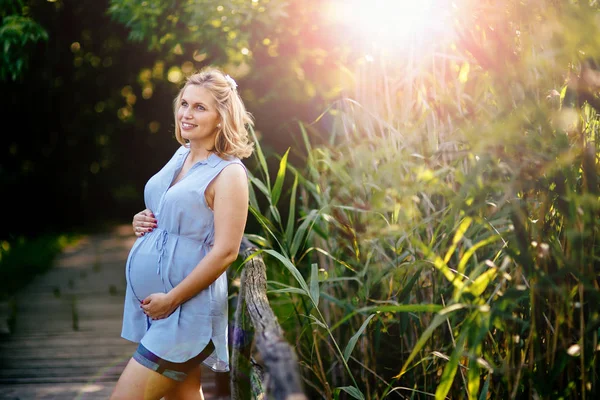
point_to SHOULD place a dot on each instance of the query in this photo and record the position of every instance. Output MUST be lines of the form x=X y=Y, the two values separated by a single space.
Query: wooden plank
x=45 y=357
x=79 y=390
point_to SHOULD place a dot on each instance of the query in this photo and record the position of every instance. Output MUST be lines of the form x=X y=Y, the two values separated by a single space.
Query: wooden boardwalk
x=66 y=341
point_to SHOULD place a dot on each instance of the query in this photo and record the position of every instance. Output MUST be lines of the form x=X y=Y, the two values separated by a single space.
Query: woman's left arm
x=230 y=205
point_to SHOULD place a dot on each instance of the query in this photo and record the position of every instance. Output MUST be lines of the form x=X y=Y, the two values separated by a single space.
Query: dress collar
x=212 y=159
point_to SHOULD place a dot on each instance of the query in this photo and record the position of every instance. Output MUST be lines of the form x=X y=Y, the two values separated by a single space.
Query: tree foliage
x=19 y=33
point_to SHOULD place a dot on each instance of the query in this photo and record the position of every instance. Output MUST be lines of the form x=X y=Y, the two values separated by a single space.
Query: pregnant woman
x=189 y=233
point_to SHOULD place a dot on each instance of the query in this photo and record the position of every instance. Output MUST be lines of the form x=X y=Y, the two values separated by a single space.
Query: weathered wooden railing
x=277 y=374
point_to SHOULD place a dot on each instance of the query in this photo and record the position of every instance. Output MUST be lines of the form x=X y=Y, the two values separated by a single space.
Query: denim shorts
x=173 y=370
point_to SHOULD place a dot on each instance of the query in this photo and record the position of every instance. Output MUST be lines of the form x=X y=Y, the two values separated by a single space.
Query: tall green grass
x=445 y=244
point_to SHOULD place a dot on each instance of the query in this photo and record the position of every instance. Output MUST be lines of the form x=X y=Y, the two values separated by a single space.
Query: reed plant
x=445 y=243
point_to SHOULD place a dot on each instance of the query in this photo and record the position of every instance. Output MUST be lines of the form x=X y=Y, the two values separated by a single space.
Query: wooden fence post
x=277 y=375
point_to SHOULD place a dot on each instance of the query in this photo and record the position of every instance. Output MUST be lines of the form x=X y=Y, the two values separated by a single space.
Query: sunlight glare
x=396 y=23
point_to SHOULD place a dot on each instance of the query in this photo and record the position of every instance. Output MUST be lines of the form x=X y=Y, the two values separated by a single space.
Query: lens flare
x=395 y=23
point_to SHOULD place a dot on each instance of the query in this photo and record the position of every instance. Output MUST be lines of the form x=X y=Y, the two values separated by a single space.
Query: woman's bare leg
x=190 y=389
x=140 y=383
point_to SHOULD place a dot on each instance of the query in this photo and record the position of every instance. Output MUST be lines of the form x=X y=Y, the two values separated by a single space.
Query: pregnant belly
x=142 y=274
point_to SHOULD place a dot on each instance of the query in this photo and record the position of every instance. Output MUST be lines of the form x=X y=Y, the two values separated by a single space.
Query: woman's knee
x=189 y=389
x=138 y=382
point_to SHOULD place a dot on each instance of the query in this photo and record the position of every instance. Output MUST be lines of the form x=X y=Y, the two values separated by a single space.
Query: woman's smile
x=187 y=126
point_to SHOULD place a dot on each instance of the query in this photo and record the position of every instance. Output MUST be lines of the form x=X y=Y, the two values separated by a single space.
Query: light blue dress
x=161 y=259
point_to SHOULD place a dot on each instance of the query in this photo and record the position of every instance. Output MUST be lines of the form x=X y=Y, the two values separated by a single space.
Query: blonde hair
x=232 y=137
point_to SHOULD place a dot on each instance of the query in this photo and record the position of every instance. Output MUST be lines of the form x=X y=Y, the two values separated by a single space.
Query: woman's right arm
x=143 y=222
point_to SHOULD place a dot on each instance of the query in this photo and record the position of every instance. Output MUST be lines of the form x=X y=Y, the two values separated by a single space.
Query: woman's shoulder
x=224 y=160
x=232 y=168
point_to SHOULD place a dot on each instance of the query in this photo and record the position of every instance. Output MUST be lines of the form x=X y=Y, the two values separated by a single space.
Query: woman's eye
x=199 y=107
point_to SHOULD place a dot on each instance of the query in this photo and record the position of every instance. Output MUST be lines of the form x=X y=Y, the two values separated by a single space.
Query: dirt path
x=66 y=341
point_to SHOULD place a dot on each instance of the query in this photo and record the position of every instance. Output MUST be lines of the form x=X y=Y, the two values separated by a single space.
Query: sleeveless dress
x=161 y=259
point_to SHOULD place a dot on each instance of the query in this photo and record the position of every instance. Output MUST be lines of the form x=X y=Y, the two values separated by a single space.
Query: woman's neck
x=198 y=153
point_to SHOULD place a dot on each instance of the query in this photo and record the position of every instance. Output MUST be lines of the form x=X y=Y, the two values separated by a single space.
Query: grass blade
x=260 y=185
x=301 y=232
x=314 y=283
x=354 y=338
x=473 y=379
x=458 y=235
x=276 y=191
x=289 y=229
x=261 y=157
x=437 y=321
x=352 y=391
x=450 y=370
x=482 y=282
x=484 y=390
x=465 y=258
x=294 y=271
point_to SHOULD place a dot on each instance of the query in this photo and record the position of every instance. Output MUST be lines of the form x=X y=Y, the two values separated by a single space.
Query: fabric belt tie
x=161 y=245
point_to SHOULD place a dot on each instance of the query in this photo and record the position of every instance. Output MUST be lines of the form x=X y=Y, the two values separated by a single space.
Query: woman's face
x=197 y=115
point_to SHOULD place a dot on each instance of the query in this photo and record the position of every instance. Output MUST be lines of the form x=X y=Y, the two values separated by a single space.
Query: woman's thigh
x=190 y=388
x=140 y=383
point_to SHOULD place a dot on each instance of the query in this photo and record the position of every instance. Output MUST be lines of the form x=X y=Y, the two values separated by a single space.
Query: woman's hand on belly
x=143 y=222
x=158 y=305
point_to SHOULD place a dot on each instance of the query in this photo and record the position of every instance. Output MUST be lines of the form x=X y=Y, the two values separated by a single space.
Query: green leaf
x=284 y=288
x=260 y=185
x=439 y=319
x=301 y=232
x=305 y=138
x=294 y=271
x=288 y=290
x=256 y=239
x=289 y=229
x=252 y=194
x=410 y=308
x=316 y=321
x=310 y=162
x=343 y=263
x=276 y=192
x=265 y=223
x=314 y=283
x=261 y=157
x=473 y=379
x=484 y=390
x=563 y=93
x=481 y=283
x=352 y=391
x=439 y=264
x=460 y=233
x=465 y=258
x=409 y=285
x=275 y=213
x=450 y=370
x=354 y=338
x=403 y=308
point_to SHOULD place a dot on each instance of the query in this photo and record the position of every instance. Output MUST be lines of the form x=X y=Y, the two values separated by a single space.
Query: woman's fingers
x=146 y=219
x=144 y=222
x=147 y=212
x=147 y=225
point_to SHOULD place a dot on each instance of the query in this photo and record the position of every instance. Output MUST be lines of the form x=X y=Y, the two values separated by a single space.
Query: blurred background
x=426 y=176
